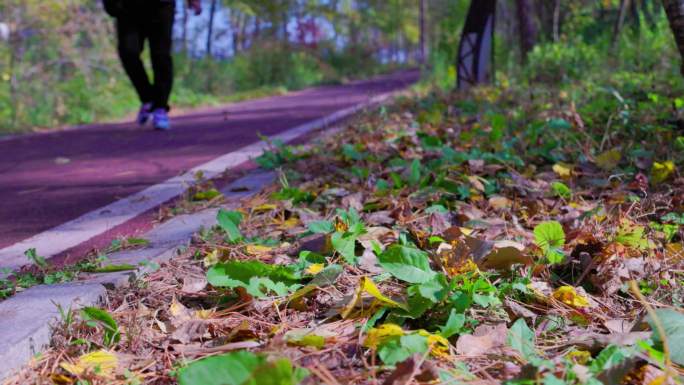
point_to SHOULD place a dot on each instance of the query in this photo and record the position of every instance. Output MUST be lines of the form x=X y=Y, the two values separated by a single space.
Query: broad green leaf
x=631 y=235
x=550 y=237
x=321 y=227
x=454 y=324
x=400 y=349
x=254 y=276
x=327 y=276
x=407 y=263
x=521 y=338
x=561 y=190
x=240 y=368
x=230 y=223
x=345 y=244
x=672 y=322
x=414 y=175
x=111 y=333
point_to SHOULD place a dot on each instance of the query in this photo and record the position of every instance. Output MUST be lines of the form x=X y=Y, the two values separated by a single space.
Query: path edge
x=23 y=336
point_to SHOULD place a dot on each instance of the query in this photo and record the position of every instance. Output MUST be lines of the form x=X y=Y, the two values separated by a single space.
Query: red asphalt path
x=48 y=179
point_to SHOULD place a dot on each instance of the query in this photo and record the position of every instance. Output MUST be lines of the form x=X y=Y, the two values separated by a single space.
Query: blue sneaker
x=160 y=119
x=144 y=113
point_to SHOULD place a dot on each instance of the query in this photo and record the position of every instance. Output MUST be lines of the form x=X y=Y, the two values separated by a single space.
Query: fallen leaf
x=499 y=202
x=314 y=268
x=101 y=362
x=608 y=160
x=562 y=170
x=569 y=296
x=484 y=340
x=194 y=284
x=257 y=250
x=660 y=172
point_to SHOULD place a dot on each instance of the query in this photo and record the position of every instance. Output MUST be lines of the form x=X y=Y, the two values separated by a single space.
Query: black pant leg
x=131 y=40
x=160 y=34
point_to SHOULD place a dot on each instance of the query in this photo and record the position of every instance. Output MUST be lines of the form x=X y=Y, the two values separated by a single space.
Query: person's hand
x=195 y=5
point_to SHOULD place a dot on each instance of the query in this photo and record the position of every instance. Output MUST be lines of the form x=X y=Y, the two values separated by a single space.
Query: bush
x=554 y=62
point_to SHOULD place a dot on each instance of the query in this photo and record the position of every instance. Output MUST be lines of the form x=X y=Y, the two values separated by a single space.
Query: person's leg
x=160 y=33
x=131 y=40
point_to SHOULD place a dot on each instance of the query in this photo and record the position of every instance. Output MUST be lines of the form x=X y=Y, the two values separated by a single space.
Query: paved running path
x=49 y=179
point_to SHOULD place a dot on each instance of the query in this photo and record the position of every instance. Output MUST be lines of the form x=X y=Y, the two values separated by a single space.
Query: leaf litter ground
x=456 y=239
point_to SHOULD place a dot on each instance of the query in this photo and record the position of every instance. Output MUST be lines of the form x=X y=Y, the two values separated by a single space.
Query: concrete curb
x=26 y=318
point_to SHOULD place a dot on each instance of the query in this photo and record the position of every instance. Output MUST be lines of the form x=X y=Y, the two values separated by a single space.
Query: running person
x=151 y=20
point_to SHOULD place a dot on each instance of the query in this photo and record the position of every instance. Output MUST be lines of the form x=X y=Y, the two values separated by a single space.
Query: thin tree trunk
x=527 y=28
x=675 y=15
x=620 y=22
x=556 y=21
x=184 y=33
x=421 y=57
x=212 y=13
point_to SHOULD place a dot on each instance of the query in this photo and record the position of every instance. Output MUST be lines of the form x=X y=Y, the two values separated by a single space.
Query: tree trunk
x=675 y=15
x=421 y=57
x=475 y=51
x=212 y=13
x=620 y=22
x=184 y=33
x=526 y=27
x=556 y=20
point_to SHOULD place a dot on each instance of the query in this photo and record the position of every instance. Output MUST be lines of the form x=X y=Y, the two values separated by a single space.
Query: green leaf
x=521 y=338
x=230 y=223
x=631 y=235
x=561 y=190
x=414 y=175
x=321 y=227
x=672 y=322
x=254 y=276
x=111 y=333
x=345 y=244
x=398 y=350
x=407 y=263
x=327 y=276
x=240 y=368
x=454 y=324
x=550 y=237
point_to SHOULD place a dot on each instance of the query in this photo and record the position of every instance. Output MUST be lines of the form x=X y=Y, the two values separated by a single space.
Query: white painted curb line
x=89 y=225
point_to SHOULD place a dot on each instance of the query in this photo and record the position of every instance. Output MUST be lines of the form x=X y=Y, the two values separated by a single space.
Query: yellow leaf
x=314 y=268
x=608 y=160
x=376 y=336
x=211 y=258
x=439 y=346
x=101 y=361
x=660 y=172
x=60 y=379
x=579 y=356
x=563 y=170
x=569 y=296
x=369 y=287
x=674 y=251
x=257 y=249
x=264 y=207
x=466 y=267
x=466 y=231
x=205 y=313
x=290 y=223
